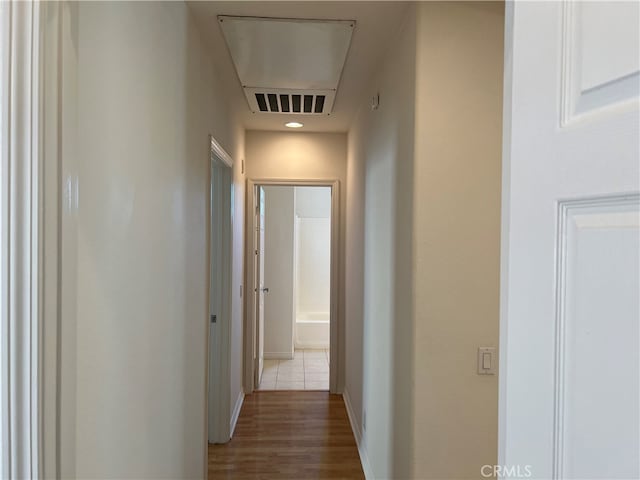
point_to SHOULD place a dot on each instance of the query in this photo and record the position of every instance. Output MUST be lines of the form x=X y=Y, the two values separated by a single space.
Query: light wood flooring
x=289 y=435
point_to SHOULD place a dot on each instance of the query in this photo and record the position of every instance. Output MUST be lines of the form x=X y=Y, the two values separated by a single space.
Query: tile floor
x=308 y=370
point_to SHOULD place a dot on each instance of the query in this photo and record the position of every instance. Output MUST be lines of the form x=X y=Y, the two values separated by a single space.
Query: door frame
x=218 y=157
x=504 y=230
x=30 y=221
x=251 y=300
x=259 y=272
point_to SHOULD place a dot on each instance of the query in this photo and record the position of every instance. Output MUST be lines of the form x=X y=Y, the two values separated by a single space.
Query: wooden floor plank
x=289 y=435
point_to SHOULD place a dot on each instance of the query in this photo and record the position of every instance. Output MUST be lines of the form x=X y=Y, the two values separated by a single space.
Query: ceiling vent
x=288 y=66
x=303 y=102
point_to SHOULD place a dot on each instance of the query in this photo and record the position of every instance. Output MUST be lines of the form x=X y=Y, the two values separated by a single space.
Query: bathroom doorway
x=293 y=269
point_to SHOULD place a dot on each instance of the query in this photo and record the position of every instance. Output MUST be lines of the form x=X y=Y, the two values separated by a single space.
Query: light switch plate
x=487 y=361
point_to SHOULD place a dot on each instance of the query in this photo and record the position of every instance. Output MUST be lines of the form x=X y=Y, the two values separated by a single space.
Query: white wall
x=378 y=292
x=68 y=240
x=304 y=156
x=313 y=202
x=313 y=247
x=148 y=97
x=457 y=235
x=313 y=266
x=278 y=271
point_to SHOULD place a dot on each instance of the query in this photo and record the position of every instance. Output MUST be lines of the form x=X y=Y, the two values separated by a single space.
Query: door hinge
x=214 y=319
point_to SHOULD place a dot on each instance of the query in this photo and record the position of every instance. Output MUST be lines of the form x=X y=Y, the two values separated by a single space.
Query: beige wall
x=378 y=297
x=148 y=97
x=304 y=156
x=236 y=350
x=456 y=235
x=423 y=206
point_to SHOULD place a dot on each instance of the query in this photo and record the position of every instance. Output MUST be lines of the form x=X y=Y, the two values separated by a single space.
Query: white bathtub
x=312 y=330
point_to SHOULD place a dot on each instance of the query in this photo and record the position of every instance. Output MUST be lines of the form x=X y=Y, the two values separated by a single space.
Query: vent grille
x=280 y=103
x=304 y=102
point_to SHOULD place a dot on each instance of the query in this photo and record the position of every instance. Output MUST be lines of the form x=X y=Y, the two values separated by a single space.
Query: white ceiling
x=376 y=25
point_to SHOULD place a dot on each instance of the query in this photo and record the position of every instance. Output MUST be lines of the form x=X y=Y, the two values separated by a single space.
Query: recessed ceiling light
x=294 y=125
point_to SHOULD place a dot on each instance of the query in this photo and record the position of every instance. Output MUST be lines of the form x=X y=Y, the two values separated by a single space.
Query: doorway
x=294 y=279
x=292 y=315
x=221 y=208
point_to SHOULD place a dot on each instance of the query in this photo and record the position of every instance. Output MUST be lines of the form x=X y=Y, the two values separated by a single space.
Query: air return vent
x=288 y=65
x=300 y=102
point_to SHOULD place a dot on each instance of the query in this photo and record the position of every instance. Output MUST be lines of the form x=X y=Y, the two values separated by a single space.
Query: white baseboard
x=312 y=346
x=277 y=355
x=357 y=433
x=236 y=413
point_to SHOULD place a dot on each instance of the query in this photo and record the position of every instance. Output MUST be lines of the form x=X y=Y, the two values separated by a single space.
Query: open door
x=570 y=366
x=260 y=289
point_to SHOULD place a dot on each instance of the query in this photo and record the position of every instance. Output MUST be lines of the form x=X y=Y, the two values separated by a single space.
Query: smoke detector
x=288 y=65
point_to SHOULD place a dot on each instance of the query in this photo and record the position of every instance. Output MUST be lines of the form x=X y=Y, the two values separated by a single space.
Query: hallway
x=476 y=314
x=289 y=435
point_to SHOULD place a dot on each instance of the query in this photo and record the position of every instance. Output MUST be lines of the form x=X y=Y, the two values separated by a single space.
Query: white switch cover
x=487 y=361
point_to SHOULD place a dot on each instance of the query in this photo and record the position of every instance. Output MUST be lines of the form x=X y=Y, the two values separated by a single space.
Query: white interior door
x=570 y=366
x=219 y=303
x=261 y=289
x=215 y=301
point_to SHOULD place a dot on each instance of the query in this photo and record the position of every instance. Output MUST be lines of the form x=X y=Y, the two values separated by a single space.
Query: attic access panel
x=281 y=61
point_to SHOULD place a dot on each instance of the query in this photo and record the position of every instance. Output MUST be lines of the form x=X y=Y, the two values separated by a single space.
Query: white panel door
x=215 y=301
x=219 y=302
x=570 y=366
